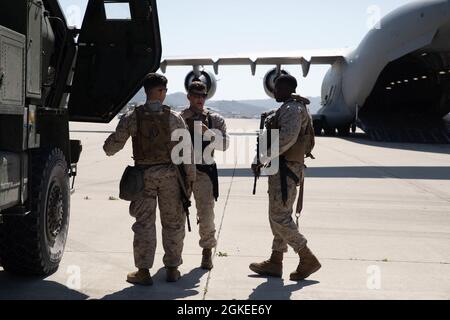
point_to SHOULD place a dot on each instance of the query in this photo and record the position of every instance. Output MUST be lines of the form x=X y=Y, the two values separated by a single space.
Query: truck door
x=119 y=43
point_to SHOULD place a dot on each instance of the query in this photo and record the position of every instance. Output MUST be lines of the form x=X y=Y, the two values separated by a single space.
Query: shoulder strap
x=277 y=114
x=137 y=140
x=210 y=125
x=138 y=114
x=305 y=114
x=187 y=113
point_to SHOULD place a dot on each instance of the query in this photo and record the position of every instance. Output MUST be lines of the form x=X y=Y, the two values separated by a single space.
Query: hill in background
x=229 y=108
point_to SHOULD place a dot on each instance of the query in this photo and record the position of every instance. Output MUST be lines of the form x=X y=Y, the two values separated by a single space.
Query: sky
x=215 y=27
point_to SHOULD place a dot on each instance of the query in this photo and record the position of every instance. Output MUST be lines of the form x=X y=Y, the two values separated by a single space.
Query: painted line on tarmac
x=219 y=231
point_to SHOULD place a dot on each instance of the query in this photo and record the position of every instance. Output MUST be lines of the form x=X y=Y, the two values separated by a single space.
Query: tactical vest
x=151 y=145
x=205 y=118
x=210 y=170
x=305 y=140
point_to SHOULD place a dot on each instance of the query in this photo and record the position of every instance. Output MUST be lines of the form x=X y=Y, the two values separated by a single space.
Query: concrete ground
x=376 y=214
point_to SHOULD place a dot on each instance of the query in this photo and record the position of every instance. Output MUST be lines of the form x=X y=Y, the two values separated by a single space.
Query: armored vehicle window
x=117 y=11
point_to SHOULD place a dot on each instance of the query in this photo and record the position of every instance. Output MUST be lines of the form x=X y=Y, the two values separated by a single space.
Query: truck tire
x=34 y=244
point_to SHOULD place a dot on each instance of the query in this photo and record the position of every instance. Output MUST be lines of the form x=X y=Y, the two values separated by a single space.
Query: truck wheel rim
x=55 y=212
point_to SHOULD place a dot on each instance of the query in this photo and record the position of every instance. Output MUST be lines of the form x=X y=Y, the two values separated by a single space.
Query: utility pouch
x=132 y=184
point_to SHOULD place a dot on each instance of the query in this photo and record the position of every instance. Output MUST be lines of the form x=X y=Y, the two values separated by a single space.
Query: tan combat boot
x=140 y=277
x=272 y=267
x=172 y=274
x=207 y=263
x=307 y=266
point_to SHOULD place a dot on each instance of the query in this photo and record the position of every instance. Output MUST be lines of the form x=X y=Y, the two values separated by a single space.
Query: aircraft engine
x=206 y=77
x=269 y=80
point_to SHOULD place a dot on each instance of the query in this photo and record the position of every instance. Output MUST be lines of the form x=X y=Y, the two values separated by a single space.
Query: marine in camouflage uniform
x=206 y=187
x=150 y=127
x=294 y=123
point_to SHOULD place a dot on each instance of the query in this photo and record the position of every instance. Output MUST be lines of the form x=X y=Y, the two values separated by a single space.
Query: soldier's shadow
x=13 y=287
x=186 y=287
x=275 y=289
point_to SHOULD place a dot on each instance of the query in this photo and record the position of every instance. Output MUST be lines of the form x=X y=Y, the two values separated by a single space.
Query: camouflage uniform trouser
x=283 y=227
x=161 y=185
x=204 y=201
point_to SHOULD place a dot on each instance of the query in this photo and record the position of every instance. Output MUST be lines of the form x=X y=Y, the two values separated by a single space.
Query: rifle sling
x=285 y=172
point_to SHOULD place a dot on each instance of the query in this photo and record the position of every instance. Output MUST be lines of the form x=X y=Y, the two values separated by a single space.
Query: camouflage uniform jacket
x=293 y=116
x=218 y=123
x=127 y=128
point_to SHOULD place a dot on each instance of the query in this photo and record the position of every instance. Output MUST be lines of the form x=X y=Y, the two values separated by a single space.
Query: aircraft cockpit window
x=117 y=10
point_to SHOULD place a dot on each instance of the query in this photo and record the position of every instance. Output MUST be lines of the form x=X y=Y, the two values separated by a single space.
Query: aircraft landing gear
x=321 y=126
x=318 y=127
x=343 y=131
x=330 y=132
x=318 y=131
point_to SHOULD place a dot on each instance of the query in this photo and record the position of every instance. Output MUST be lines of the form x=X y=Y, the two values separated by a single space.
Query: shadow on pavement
x=380 y=172
x=363 y=172
x=275 y=289
x=162 y=290
x=362 y=138
x=34 y=288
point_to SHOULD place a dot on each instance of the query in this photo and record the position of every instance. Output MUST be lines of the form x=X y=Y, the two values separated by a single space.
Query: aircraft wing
x=304 y=58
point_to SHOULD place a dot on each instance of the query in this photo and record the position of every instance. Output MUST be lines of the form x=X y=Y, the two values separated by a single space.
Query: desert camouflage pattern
x=191 y=115
x=127 y=128
x=284 y=229
x=203 y=187
x=204 y=202
x=162 y=189
x=291 y=119
x=305 y=137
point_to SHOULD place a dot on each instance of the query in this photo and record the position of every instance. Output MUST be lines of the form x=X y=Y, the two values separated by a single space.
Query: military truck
x=51 y=74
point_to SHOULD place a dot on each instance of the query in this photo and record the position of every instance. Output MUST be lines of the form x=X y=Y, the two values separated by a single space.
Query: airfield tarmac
x=376 y=214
